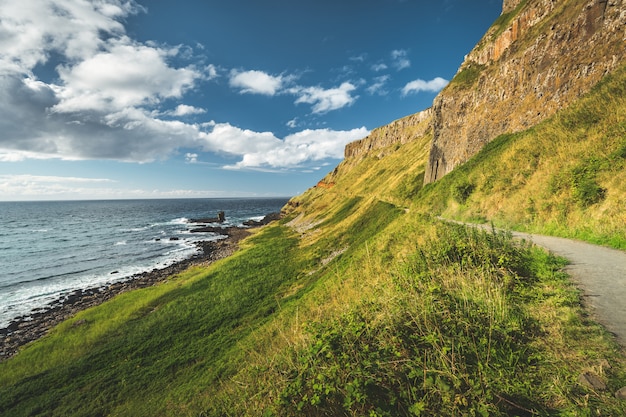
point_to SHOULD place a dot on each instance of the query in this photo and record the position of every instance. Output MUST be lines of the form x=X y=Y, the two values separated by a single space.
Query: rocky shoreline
x=28 y=328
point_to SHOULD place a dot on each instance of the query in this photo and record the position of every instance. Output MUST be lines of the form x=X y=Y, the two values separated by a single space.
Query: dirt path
x=598 y=271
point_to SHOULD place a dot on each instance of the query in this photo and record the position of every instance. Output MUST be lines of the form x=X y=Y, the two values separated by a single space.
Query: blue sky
x=210 y=98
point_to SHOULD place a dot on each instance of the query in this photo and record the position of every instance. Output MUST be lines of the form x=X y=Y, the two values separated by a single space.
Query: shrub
x=461 y=191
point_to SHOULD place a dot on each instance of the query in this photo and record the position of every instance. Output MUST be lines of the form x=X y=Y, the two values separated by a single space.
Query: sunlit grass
x=564 y=177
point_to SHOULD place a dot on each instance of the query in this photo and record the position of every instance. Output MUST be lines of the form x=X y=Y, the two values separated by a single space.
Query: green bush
x=585 y=189
x=461 y=191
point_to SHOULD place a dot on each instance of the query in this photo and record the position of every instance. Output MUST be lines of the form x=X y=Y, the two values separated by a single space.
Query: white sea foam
x=60 y=247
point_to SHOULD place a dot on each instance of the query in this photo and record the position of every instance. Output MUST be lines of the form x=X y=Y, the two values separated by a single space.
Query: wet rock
x=221 y=218
x=27 y=328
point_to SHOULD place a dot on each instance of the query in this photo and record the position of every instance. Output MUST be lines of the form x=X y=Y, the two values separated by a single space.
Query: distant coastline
x=32 y=326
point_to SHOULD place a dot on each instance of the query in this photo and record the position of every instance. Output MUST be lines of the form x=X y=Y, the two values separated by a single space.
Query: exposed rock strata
x=546 y=57
x=400 y=131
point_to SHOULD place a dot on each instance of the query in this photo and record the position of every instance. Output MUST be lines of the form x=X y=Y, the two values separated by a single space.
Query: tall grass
x=455 y=328
x=359 y=303
x=565 y=176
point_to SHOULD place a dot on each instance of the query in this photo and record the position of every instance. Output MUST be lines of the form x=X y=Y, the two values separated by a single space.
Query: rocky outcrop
x=531 y=63
x=509 y=5
x=400 y=131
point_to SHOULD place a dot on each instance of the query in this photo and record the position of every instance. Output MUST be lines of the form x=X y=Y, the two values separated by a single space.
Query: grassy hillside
x=361 y=302
x=565 y=176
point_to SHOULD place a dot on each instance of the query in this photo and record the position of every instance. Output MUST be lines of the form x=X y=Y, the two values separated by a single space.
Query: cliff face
x=400 y=131
x=537 y=58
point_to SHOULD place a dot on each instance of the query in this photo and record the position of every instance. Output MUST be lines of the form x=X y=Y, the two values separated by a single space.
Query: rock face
x=400 y=131
x=540 y=56
x=509 y=5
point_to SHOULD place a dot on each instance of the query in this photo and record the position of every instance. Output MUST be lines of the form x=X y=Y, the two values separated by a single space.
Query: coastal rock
x=221 y=218
x=400 y=131
x=527 y=67
x=31 y=327
x=265 y=220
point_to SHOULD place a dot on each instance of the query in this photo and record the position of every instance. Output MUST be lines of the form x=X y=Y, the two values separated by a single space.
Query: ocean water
x=50 y=248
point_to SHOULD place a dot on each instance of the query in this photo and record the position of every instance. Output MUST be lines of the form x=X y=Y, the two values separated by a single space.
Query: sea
x=50 y=248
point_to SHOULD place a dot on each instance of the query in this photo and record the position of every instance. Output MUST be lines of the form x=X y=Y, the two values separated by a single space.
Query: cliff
x=537 y=58
x=400 y=131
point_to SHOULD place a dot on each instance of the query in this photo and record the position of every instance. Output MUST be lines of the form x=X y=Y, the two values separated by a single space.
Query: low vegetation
x=361 y=302
x=565 y=176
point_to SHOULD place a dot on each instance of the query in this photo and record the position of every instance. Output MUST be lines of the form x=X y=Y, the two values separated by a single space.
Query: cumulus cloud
x=109 y=93
x=31 y=29
x=191 y=158
x=126 y=74
x=322 y=100
x=185 y=110
x=433 y=86
x=298 y=148
x=256 y=82
x=211 y=72
x=325 y=100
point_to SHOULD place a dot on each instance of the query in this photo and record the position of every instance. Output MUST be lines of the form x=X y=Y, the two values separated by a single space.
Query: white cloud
x=110 y=92
x=26 y=178
x=358 y=58
x=326 y=100
x=256 y=82
x=31 y=187
x=378 y=87
x=322 y=100
x=302 y=147
x=31 y=29
x=379 y=67
x=433 y=86
x=400 y=60
x=293 y=123
x=211 y=72
x=38 y=186
x=185 y=110
x=126 y=74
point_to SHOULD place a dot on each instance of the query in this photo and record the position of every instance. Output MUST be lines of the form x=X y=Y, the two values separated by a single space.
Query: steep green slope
x=361 y=302
x=565 y=176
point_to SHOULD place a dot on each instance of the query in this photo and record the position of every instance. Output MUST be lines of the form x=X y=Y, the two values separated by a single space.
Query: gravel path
x=600 y=272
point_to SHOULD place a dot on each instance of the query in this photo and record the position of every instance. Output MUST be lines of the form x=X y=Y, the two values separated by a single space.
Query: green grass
x=565 y=176
x=467 y=77
x=469 y=323
x=361 y=303
x=151 y=352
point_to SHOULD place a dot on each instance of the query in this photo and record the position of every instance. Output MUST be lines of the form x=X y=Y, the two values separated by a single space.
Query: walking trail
x=598 y=271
